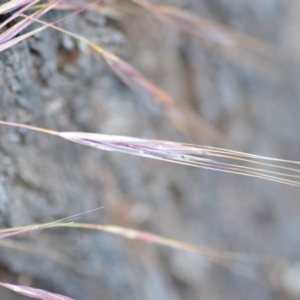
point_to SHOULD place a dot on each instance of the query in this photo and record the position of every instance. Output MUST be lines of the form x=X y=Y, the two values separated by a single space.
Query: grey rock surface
x=56 y=82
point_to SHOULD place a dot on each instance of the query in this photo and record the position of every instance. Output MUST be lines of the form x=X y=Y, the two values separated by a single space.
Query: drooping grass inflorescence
x=179 y=115
x=186 y=154
x=34 y=293
x=230 y=260
x=19 y=14
x=234 y=45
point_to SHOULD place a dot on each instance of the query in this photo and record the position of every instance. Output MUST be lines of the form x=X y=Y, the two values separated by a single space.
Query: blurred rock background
x=56 y=82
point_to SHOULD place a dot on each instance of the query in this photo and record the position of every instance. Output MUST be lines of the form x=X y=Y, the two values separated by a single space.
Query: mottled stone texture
x=56 y=82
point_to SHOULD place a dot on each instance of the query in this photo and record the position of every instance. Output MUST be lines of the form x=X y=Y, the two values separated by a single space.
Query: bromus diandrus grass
x=234 y=261
x=186 y=154
x=181 y=117
x=34 y=293
x=218 y=38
